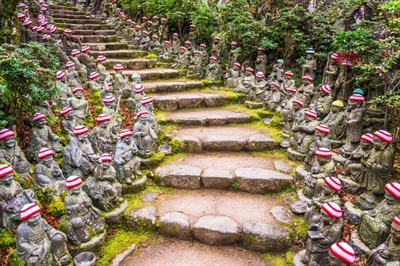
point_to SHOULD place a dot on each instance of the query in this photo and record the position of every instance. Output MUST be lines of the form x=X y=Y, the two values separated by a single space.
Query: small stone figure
x=335 y=120
x=247 y=82
x=126 y=162
x=137 y=37
x=195 y=68
x=354 y=165
x=79 y=104
x=259 y=92
x=48 y=174
x=12 y=198
x=64 y=91
x=216 y=47
x=87 y=60
x=233 y=53
x=176 y=44
x=37 y=242
x=323 y=235
x=81 y=214
x=69 y=123
x=261 y=60
x=41 y=136
x=101 y=69
x=107 y=90
x=94 y=83
x=214 y=70
x=232 y=75
x=204 y=54
x=138 y=93
x=306 y=90
x=188 y=46
x=322 y=101
x=147 y=105
x=79 y=66
x=274 y=99
x=310 y=66
x=103 y=188
x=102 y=136
x=192 y=36
x=154 y=44
x=12 y=154
x=163 y=29
x=320 y=140
x=121 y=85
x=341 y=254
x=277 y=72
x=303 y=134
x=144 y=42
x=145 y=136
x=166 y=51
x=331 y=70
x=72 y=75
x=295 y=115
x=182 y=60
x=288 y=79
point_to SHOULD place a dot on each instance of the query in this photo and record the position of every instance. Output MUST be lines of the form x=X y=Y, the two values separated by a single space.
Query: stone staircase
x=223 y=152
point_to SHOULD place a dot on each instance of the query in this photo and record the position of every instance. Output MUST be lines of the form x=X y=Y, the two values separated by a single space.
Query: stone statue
x=286 y=102
x=48 y=174
x=121 y=85
x=233 y=53
x=204 y=54
x=163 y=29
x=295 y=116
x=94 y=83
x=377 y=169
x=323 y=235
x=335 y=120
x=247 y=82
x=232 y=75
x=78 y=65
x=214 y=70
x=388 y=253
x=79 y=104
x=288 y=80
x=41 y=136
x=261 y=60
x=274 y=99
x=353 y=166
x=137 y=37
x=310 y=66
x=126 y=162
x=12 y=154
x=81 y=214
x=192 y=35
x=147 y=105
x=341 y=254
x=182 y=59
x=145 y=136
x=331 y=70
x=166 y=51
x=64 y=91
x=277 y=72
x=138 y=93
x=69 y=123
x=12 y=198
x=303 y=133
x=374 y=225
x=306 y=90
x=329 y=192
x=87 y=60
x=72 y=75
x=322 y=101
x=102 y=136
x=104 y=189
x=188 y=46
x=110 y=108
x=144 y=42
x=176 y=44
x=101 y=69
x=260 y=88
x=37 y=242
x=320 y=140
x=195 y=67
x=216 y=47
x=107 y=89
x=79 y=157
x=154 y=44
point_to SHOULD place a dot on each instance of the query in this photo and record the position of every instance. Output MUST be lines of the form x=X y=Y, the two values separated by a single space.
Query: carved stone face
x=75 y=190
x=69 y=116
x=9 y=142
x=127 y=140
x=306 y=82
x=104 y=124
x=78 y=95
x=395 y=232
x=323 y=160
x=83 y=137
x=319 y=134
x=106 y=165
x=137 y=79
x=41 y=123
x=325 y=218
x=379 y=144
x=47 y=161
x=110 y=105
x=327 y=189
x=296 y=107
x=280 y=65
x=309 y=56
x=235 y=68
x=34 y=220
x=335 y=109
x=7 y=180
x=143 y=119
x=365 y=145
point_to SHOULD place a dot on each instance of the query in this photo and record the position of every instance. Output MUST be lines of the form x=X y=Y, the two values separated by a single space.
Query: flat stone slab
x=117 y=260
x=106 y=46
x=152 y=73
x=301 y=173
x=216 y=230
x=190 y=143
x=175 y=224
x=132 y=64
x=217 y=179
x=348 y=185
x=172 y=85
x=295 y=155
x=351 y=213
x=359 y=247
x=91 y=245
x=179 y=176
x=264 y=237
x=281 y=214
x=114 y=216
x=259 y=180
x=117 y=54
x=282 y=167
x=143 y=218
x=186 y=100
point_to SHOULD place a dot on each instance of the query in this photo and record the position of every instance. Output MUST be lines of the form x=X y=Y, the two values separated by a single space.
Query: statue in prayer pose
x=12 y=154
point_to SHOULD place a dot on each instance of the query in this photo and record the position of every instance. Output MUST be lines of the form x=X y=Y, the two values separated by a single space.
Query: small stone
x=267 y=120
x=282 y=167
x=149 y=197
x=114 y=216
x=349 y=185
x=180 y=176
x=297 y=258
x=217 y=178
x=351 y=213
x=301 y=173
x=281 y=214
x=216 y=230
x=263 y=237
x=175 y=224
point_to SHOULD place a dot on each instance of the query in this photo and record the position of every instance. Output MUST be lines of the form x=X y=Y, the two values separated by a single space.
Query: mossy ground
x=279 y=259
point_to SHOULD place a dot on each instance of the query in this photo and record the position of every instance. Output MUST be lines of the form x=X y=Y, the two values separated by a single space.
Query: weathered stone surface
x=137 y=185
x=359 y=247
x=114 y=216
x=282 y=167
x=351 y=213
x=179 y=176
x=216 y=120
x=259 y=180
x=301 y=173
x=263 y=237
x=348 y=185
x=169 y=86
x=117 y=260
x=217 y=178
x=253 y=105
x=224 y=143
x=118 y=54
x=190 y=143
x=142 y=218
x=107 y=46
x=100 y=38
x=260 y=142
x=237 y=118
x=213 y=100
x=303 y=198
x=338 y=158
x=92 y=245
x=175 y=224
x=212 y=117
x=132 y=64
x=166 y=102
x=190 y=101
x=295 y=155
x=149 y=197
x=297 y=258
x=282 y=214
x=216 y=230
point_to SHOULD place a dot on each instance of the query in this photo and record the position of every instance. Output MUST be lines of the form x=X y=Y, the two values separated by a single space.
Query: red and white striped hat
x=237 y=64
x=69 y=64
x=73 y=181
x=335 y=57
x=140 y=113
x=6 y=133
x=322 y=129
x=175 y=34
x=46 y=36
x=155 y=17
x=298 y=102
x=384 y=135
x=188 y=42
x=118 y=67
x=125 y=133
x=307 y=77
x=27 y=22
x=344 y=252
x=154 y=36
x=346 y=63
x=53 y=28
x=192 y=26
x=394 y=189
x=102 y=118
x=167 y=42
x=261 y=49
x=109 y=84
x=66 y=110
x=234 y=43
x=260 y=75
x=94 y=75
x=68 y=31
x=146 y=100
x=275 y=84
x=77 y=89
x=396 y=220
x=183 y=48
x=203 y=45
x=368 y=137
x=217 y=38
x=60 y=74
x=22 y=5
x=323 y=152
x=108 y=99
x=21 y=15
x=311 y=113
x=163 y=19
x=106 y=158
x=326 y=88
x=288 y=73
x=85 y=48
x=38 y=116
x=144 y=18
x=138 y=27
x=40 y=28
x=332 y=209
x=59 y=41
x=101 y=58
x=249 y=69
x=291 y=89
x=213 y=58
x=357 y=98
x=5 y=170
x=196 y=52
x=45 y=152
x=334 y=183
x=145 y=32
x=28 y=211
x=80 y=130
x=75 y=52
x=139 y=88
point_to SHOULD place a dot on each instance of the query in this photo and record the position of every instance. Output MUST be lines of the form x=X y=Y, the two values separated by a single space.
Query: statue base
x=351 y=214
x=336 y=143
x=303 y=197
x=301 y=173
x=368 y=201
x=348 y=185
x=136 y=186
x=114 y=216
x=92 y=245
x=359 y=247
x=297 y=258
x=338 y=158
x=295 y=155
x=254 y=105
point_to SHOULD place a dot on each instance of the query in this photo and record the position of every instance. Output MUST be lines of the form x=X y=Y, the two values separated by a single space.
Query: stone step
x=94 y=32
x=229 y=138
x=172 y=85
x=73 y=15
x=208 y=117
x=106 y=46
x=153 y=73
x=100 y=38
x=60 y=12
x=62 y=7
x=185 y=100
x=118 y=54
x=246 y=172
x=78 y=21
x=84 y=26
x=131 y=64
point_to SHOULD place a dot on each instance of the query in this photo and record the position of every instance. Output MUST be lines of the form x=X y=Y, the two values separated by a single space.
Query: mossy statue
x=12 y=154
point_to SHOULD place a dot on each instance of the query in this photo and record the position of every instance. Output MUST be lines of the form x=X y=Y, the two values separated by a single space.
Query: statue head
x=39 y=120
x=6 y=175
x=46 y=156
x=109 y=102
x=355 y=101
x=126 y=136
x=216 y=39
x=341 y=254
x=279 y=63
x=310 y=53
x=392 y=193
x=297 y=105
x=307 y=79
x=68 y=113
x=249 y=71
x=331 y=185
x=321 y=131
x=147 y=102
x=382 y=139
x=7 y=138
x=78 y=92
x=260 y=50
x=337 y=106
x=74 y=184
x=103 y=120
x=367 y=141
x=260 y=76
x=323 y=155
x=330 y=213
x=105 y=160
x=31 y=214
x=395 y=230
x=118 y=68
x=81 y=132
x=310 y=115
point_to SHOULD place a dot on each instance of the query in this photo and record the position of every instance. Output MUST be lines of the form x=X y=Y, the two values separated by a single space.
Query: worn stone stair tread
x=131 y=64
x=100 y=38
x=106 y=46
x=77 y=26
x=62 y=7
x=78 y=20
x=151 y=73
x=70 y=15
x=117 y=54
x=216 y=230
x=172 y=85
x=185 y=100
x=60 y=12
x=210 y=116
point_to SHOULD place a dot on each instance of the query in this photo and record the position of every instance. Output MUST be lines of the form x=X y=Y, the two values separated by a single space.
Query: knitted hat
x=146 y=100
x=108 y=99
x=261 y=49
x=357 y=98
x=38 y=116
x=368 y=137
x=28 y=211
x=323 y=152
x=249 y=69
x=45 y=152
x=85 y=48
x=237 y=64
x=334 y=183
x=188 y=42
x=118 y=67
x=358 y=91
x=394 y=189
x=53 y=28
x=234 y=43
x=66 y=110
x=73 y=181
x=346 y=63
x=298 y=102
x=332 y=209
x=311 y=113
x=69 y=64
x=80 y=130
x=288 y=73
x=307 y=77
x=155 y=17
x=150 y=22
x=167 y=42
x=217 y=38
x=192 y=26
x=213 y=58
x=335 y=57
x=384 y=135
x=60 y=75
x=396 y=220
x=196 y=52
x=27 y=22
x=260 y=75
x=163 y=19
x=145 y=32
x=175 y=34
x=322 y=129
x=77 y=89
x=40 y=29
x=275 y=84
x=46 y=37
x=182 y=48
x=138 y=27
x=154 y=36
x=338 y=103
x=105 y=157
x=21 y=16
x=291 y=89
x=6 y=133
x=94 y=75
x=144 y=18
x=125 y=133
x=140 y=113
x=5 y=170
x=203 y=45
x=101 y=58
x=102 y=118
x=139 y=88
x=326 y=88
x=344 y=252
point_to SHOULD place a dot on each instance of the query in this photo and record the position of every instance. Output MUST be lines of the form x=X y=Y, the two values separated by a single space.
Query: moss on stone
x=14 y=260
x=56 y=208
x=279 y=259
x=7 y=239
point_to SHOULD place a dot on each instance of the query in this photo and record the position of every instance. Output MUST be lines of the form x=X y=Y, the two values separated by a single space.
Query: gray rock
x=259 y=180
x=190 y=143
x=297 y=258
x=175 y=224
x=295 y=155
x=191 y=121
x=282 y=214
x=266 y=120
x=149 y=197
x=304 y=198
x=117 y=260
x=348 y=185
x=224 y=143
x=217 y=179
x=282 y=167
x=216 y=230
x=114 y=217
x=213 y=100
x=263 y=237
x=190 y=101
x=301 y=173
x=142 y=218
x=180 y=176
x=137 y=185
x=351 y=213
x=253 y=105
x=359 y=247
x=260 y=142
x=166 y=103
x=216 y=120
x=237 y=118
x=91 y=245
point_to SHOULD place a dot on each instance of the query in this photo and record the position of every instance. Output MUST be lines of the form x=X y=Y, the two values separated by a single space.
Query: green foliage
x=360 y=41
x=14 y=260
x=279 y=259
x=56 y=208
x=7 y=239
